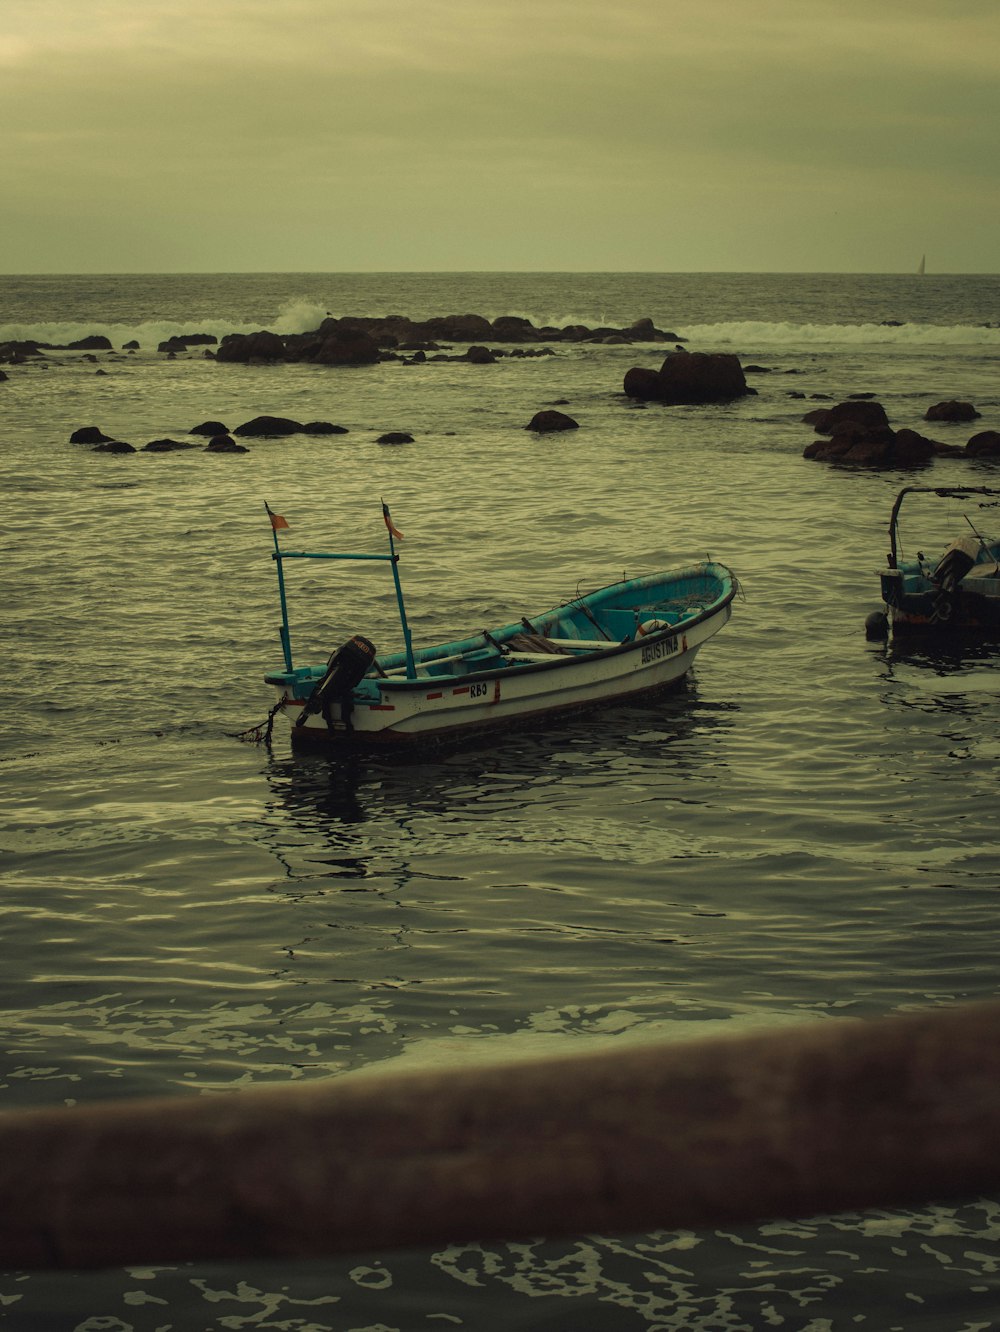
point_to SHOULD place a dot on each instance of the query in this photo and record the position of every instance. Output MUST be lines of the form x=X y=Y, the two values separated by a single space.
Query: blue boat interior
x=609 y=619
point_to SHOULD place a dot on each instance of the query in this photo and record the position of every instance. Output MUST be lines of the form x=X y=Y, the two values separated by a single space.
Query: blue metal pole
x=286 y=642
x=411 y=666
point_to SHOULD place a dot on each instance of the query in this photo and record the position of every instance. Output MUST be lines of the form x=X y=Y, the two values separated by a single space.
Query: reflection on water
x=324 y=790
x=951 y=655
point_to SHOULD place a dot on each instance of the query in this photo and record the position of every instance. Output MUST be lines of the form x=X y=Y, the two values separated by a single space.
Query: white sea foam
x=760 y=332
x=302 y=315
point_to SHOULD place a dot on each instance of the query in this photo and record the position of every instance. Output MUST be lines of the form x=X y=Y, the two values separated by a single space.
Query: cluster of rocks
x=220 y=437
x=689 y=377
x=221 y=442
x=18 y=351
x=857 y=432
x=360 y=341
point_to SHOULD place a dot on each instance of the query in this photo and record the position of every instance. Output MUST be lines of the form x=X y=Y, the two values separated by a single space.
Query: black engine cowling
x=346 y=667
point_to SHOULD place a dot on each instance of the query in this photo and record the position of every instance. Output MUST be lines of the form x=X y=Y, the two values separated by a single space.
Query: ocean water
x=804 y=832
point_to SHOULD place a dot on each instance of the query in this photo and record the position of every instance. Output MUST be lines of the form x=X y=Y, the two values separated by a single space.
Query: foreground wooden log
x=825 y=1117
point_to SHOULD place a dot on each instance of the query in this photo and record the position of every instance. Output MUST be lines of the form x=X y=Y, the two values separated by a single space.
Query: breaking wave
x=302 y=315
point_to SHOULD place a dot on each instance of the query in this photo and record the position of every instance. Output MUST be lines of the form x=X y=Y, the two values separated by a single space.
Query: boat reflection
x=945 y=656
x=343 y=809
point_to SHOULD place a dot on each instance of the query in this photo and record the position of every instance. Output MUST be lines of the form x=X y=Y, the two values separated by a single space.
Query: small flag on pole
x=277 y=522
x=393 y=529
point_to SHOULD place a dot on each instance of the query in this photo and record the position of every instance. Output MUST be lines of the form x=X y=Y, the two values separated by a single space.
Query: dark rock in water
x=341 y=344
x=269 y=427
x=913 y=449
x=130 y=346
x=480 y=356
x=690 y=377
x=644 y=330
x=167 y=445
x=458 y=328
x=860 y=397
x=323 y=428
x=362 y=340
x=113 y=446
x=3 y=377
x=244 y=347
x=860 y=435
x=395 y=437
x=549 y=420
x=642 y=383
x=951 y=411
x=89 y=435
x=225 y=444
x=210 y=428
x=857 y=412
x=13 y=353
x=984 y=445
x=182 y=341
x=860 y=444
x=96 y=342
x=512 y=328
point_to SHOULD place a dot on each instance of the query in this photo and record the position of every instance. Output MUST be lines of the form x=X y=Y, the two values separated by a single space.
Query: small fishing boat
x=629 y=639
x=956 y=591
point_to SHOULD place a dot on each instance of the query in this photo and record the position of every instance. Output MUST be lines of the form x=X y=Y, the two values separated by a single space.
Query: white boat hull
x=429 y=708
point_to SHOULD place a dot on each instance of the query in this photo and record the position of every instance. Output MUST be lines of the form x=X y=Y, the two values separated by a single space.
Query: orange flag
x=389 y=523
x=277 y=522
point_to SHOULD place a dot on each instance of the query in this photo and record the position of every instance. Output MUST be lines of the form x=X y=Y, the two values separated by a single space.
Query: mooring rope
x=255 y=735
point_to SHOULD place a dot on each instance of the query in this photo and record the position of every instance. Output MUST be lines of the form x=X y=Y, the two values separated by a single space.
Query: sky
x=499 y=135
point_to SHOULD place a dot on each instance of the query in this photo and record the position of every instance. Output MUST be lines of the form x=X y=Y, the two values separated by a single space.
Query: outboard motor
x=346 y=667
x=955 y=563
x=952 y=567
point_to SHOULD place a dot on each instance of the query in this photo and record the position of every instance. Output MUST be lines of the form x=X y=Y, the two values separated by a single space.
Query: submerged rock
x=323 y=428
x=167 y=445
x=225 y=444
x=984 y=445
x=549 y=420
x=951 y=411
x=269 y=426
x=89 y=435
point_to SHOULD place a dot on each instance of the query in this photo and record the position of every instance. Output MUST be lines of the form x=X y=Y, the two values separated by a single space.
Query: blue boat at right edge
x=630 y=639
x=954 y=592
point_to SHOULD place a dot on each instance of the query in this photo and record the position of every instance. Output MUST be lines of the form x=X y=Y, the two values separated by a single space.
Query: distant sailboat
x=922 y=265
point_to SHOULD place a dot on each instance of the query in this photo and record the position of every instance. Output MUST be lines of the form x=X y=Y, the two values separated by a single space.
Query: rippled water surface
x=805 y=830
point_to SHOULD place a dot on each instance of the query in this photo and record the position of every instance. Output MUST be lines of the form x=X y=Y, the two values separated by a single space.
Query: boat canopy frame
x=392 y=558
x=944 y=492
